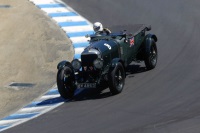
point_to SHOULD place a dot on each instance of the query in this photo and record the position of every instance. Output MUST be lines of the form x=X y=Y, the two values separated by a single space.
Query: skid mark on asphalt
x=76 y=27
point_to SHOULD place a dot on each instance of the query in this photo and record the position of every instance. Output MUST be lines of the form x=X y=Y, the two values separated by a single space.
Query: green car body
x=105 y=60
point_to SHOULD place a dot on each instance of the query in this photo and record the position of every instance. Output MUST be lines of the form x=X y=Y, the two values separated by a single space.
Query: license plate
x=86 y=85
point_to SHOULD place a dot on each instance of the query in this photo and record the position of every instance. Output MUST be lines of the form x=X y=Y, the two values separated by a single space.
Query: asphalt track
x=164 y=100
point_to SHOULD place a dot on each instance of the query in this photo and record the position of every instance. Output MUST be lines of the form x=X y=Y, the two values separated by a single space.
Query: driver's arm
x=107 y=31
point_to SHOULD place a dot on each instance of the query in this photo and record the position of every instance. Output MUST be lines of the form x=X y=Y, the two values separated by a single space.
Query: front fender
x=115 y=61
x=62 y=64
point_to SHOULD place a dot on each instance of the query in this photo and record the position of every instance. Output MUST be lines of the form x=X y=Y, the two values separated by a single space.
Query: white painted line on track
x=79 y=39
x=69 y=19
x=55 y=10
x=77 y=28
x=42 y=1
x=49 y=97
x=79 y=50
x=32 y=109
x=37 y=2
x=8 y=122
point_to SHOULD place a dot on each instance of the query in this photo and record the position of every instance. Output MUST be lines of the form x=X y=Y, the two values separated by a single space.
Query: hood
x=105 y=49
x=100 y=47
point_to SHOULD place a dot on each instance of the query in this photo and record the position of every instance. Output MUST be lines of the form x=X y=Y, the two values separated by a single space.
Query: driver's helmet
x=98 y=27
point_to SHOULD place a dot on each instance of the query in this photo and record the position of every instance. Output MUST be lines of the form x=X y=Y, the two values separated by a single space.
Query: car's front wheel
x=116 y=79
x=65 y=83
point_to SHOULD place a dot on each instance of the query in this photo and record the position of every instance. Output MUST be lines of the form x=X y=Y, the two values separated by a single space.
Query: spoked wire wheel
x=116 y=79
x=65 y=82
x=151 y=55
x=119 y=79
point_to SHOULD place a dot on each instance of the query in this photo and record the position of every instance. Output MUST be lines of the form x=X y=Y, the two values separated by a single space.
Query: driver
x=99 y=30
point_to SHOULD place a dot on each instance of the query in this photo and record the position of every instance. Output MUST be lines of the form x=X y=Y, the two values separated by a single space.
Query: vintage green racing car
x=105 y=60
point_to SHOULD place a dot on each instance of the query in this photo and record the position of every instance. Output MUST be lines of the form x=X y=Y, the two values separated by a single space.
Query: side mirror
x=148 y=28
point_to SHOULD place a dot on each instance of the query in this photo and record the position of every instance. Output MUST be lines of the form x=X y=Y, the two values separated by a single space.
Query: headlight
x=98 y=63
x=76 y=64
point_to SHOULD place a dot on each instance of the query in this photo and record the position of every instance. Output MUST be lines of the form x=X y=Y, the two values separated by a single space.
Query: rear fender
x=149 y=40
x=151 y=36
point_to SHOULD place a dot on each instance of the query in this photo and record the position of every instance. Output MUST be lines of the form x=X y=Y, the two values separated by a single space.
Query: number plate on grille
x=86 y=85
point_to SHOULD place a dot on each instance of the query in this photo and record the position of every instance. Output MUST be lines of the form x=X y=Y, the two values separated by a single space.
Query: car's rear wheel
x=65 y=84
x=116 y=79
x=151 y=55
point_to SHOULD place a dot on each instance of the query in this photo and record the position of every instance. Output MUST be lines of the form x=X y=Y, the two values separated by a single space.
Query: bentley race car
x=105 y=60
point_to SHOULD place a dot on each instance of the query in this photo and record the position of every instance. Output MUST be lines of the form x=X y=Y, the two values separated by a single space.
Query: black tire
x=116 y=79
x=151 y=55
x=65 y=84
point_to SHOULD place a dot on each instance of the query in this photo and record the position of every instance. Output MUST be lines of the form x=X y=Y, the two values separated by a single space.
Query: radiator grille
x=87 y=60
